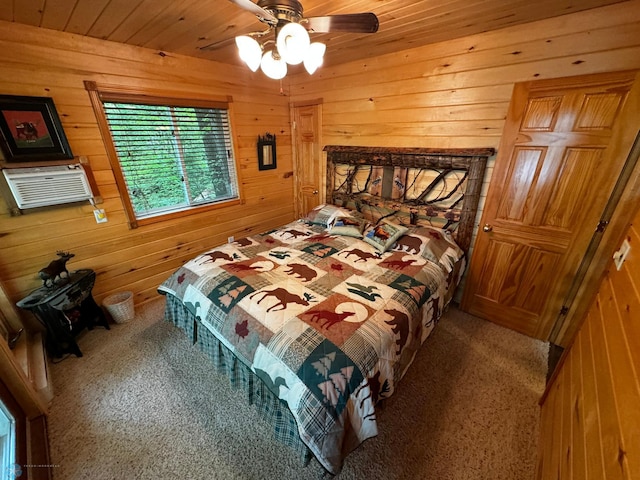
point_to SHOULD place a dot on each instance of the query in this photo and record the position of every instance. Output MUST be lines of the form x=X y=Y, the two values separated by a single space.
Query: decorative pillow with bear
x=434 y=244
x=324 y=214
x=383 y=235
x=347 y=225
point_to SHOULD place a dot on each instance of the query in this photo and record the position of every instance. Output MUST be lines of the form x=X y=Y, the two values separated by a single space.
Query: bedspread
x=327 y=322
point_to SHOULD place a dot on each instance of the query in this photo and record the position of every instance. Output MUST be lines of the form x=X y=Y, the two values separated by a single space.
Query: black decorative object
x=51 y=275
x=31 y=130
x=266 y=152
x=65 y=311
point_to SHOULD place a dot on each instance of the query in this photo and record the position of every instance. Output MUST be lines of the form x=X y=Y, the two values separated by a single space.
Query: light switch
x=621 y=254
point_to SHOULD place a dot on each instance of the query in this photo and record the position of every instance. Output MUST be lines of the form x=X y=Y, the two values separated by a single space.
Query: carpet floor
x=142 y=403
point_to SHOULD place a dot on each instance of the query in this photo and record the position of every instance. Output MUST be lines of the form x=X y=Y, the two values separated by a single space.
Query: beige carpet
x=143 y=404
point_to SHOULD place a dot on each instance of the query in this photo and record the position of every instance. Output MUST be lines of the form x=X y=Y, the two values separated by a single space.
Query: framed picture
x=266 y=152
x=31 y=130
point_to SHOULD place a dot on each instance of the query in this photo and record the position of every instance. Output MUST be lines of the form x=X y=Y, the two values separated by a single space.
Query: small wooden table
x=65 y=310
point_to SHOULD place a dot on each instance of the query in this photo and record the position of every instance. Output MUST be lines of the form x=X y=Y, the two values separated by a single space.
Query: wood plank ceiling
x=185 y=26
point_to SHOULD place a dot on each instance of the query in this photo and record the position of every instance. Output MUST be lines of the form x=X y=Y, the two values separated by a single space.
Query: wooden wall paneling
x=42 y=62
x=576 y=411
x=566 y=440
x=443 y=91
x=76 y=54
x=182 y=26
x=595 y=463
x=605 y=356
x=551 y=467
x=623 y=378
x=132 y=255
x=610 y=436
x=519 y=57
x=627 y=291
x=566 y=33
x=547 y=421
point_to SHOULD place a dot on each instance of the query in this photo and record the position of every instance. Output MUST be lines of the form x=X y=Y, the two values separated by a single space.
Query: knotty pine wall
x=41 y=62
x=590 y=423
x=453 y=94
x=456 y=93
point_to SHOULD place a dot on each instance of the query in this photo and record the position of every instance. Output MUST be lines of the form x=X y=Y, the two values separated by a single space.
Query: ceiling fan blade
x=353 y=22
x=258 y=11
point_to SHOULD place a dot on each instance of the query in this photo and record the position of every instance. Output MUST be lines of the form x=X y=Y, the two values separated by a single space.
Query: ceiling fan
x=292 y=43
x=273 y=12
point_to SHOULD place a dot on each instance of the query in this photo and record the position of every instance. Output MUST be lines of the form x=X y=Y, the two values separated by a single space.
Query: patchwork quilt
x=328 y=322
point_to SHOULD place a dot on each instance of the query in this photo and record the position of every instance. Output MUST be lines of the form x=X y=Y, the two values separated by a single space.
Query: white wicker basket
x=120 y=306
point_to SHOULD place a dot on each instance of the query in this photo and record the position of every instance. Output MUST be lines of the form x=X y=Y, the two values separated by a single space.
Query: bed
x=319 y=320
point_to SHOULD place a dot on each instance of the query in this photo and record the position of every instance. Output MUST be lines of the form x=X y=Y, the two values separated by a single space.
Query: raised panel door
x=552 y=178
x=308 y=158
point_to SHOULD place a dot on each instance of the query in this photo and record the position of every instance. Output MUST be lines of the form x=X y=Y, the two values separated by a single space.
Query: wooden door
x=552 y=178
x=308 y=157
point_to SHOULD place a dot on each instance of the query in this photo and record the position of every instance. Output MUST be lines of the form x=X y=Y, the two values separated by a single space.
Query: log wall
x=39 y=62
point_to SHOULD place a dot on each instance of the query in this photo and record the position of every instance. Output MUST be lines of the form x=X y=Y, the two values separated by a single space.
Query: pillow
x=347 y=225
x=436 y=245
x=383 y=235
x=324 y=214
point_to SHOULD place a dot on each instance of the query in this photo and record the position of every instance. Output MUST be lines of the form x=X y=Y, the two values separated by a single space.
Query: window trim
x=112 y=93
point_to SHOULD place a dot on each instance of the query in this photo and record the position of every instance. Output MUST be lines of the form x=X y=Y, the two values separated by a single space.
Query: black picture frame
x=31 y=130
x=267 y=152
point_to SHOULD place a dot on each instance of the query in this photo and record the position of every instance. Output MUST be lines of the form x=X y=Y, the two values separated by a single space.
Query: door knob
x=487 y=228
x=315 y=192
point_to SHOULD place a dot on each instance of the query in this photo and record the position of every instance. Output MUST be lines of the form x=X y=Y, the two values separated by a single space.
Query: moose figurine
x=52 y=273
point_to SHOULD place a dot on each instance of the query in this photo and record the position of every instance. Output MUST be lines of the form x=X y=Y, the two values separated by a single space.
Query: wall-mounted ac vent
x=41 y=186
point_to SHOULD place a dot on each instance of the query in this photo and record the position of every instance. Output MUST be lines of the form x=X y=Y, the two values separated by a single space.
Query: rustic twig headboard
x=419 y=186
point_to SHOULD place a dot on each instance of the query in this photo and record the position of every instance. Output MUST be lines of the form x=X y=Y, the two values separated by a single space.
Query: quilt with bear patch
x=328 y=322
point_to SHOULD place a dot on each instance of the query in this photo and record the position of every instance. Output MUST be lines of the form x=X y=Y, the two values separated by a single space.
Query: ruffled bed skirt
x=272 y=409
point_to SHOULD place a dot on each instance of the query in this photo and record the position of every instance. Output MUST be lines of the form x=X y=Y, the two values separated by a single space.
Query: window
x=173 y=155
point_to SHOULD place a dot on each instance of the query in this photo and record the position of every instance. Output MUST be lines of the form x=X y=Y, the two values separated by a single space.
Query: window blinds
x=173 y=157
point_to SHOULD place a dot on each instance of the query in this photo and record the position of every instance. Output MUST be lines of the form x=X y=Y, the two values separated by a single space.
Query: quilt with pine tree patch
x=327 y=322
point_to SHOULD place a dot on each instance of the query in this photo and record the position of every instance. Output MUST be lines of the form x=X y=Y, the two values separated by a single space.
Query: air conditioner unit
x=41 y=186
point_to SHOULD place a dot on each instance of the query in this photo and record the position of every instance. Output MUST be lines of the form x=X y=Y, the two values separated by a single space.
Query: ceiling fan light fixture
x=273 y=67
x=250 y=51
x=314 y=57
x=293 y=43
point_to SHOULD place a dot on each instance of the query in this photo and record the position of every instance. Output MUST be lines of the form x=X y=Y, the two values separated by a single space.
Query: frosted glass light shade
x=250 y=51
x=293 y=43
x=314 y=57
x=273 y=67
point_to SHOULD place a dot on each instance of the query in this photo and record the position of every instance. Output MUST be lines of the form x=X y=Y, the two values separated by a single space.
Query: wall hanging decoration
x=31 y=130
x=266 y=152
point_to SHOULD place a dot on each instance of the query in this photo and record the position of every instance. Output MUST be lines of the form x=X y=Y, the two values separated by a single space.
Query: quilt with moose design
x=328 y=322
